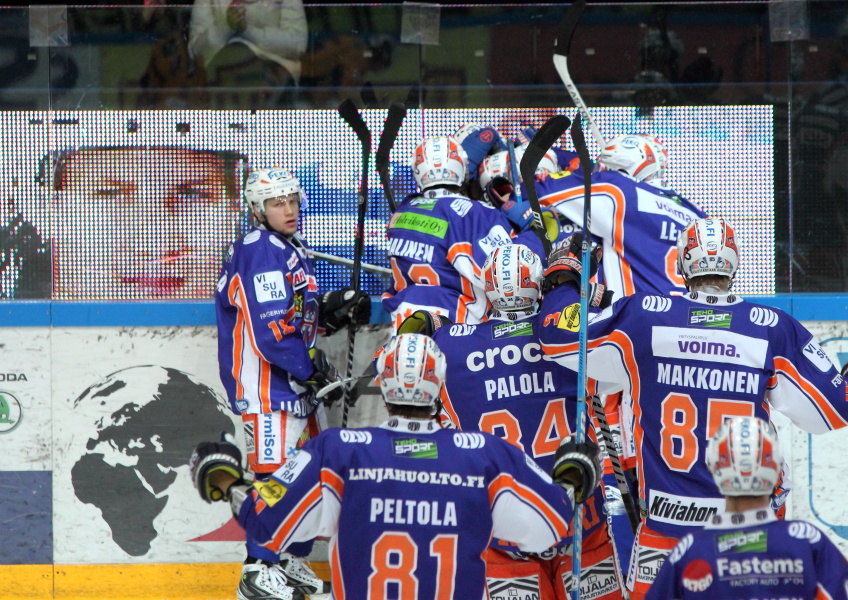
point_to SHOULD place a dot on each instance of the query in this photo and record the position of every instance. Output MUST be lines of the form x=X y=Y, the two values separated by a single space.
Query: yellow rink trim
x=196 y=581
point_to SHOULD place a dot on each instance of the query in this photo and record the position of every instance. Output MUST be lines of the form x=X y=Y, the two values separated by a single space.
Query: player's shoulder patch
x=569 y=318
x=269 y=286
x=355 y=436
x=270 y=491
x=293 y=467
x=802 y=530
x=252 y=237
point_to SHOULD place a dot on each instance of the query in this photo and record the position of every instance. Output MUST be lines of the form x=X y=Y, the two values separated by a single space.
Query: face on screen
x=135 y=223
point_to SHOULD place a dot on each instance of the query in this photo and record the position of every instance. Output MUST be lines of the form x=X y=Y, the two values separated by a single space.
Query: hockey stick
x=580 y=429
x=615 y=461
x=350 y=114
x=549 y=133
x=513 y=167
x=562 y=45
x=346 y=262
x=391 y=127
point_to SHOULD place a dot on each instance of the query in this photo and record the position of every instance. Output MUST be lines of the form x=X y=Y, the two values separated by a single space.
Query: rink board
x=96 y=470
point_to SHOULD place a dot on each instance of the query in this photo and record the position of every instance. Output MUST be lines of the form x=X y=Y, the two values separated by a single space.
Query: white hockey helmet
x=707 y=247
x=271 y=182
x=744 y=457
x=411 y=370
x=548 y=164
x=512 y=276
x=439 y=161
x=495 y=165
x=660 y=153
x=631 y=155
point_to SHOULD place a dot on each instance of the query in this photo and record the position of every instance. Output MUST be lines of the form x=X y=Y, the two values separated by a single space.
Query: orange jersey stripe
x=332 y=480
x=309 y=500
x=504 y=482
x=618 y=223
x=833 y=418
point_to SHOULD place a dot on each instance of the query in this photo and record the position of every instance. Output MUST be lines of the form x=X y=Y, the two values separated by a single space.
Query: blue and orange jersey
x=409 y=507
x=685 y=363
x=499 y=381
x=267 y=315
x=438 y=242
x=753 y=555
x=638 y=222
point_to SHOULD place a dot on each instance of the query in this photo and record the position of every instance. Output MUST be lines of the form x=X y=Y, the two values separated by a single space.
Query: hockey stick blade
x=391 y=127
x=547 y=135
x=562 y=46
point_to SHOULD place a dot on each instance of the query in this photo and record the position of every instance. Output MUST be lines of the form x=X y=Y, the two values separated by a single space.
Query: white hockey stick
x=561 y=47
x=346 y=262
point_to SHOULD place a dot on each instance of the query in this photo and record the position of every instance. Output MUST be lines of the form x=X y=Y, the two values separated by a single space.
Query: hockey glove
x=423 y=321
x=325 y=382
x=478 y=144
x=565 y=261
x=215 y=466
x=577 y=468
x=551 y=222
x=341 y=307
x=844 y=371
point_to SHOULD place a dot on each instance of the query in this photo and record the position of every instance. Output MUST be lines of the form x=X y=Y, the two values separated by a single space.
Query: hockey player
x=635 y=215
x=409 y=507
x=745 y=551
x=498 y=382
x=438 y=239
x=686 y=363
x=267 y=308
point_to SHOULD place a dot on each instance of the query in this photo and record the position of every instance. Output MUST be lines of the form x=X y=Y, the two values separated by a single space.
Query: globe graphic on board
x=147 y=420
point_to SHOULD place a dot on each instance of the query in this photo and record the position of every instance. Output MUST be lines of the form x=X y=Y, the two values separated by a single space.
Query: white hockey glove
x=577 y=468
x=215 y=467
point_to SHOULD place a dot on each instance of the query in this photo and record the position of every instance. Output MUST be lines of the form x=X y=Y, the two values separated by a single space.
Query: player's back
x=499 y=381
x=419 y=504
x=638 y=222
x=688 y=362
x=753 y=559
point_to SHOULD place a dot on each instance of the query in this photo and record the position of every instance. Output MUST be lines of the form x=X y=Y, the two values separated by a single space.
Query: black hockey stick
x=547 y=135
x=615 y=460
x=562 y=46
x=350 y=114
x=391 y=127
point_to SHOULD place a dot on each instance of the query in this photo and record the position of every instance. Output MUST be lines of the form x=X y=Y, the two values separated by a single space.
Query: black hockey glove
x=423 y=321
x=341 y=307
x=577 y=467
x=325 y=382
x=211 y=458
x=565 y=262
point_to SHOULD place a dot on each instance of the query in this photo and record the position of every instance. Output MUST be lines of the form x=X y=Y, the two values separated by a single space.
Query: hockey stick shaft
x=615 y=460
x=513 y=166
x=547 y=135
x=580 y=429
x=562 y=45
x=350 y=114
x=346 y=262
x=391 y=127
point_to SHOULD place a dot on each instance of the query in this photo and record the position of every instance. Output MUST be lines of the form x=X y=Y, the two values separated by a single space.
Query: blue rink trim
x=22 y=313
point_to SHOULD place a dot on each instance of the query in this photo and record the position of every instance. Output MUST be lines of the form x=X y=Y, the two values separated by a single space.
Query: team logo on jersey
x=710 y=317
x=763 y=316
x=353 y=436
x=421 y=223
x=743 y=541
x=698 y=575
x=816 y=355
x=514 y=588
x=683 y=510
x=292 y=261
x=293 y=467
x=423 y=203
x=656 y=303
x=569 y=318
x=512 y=330
x=269 y=286
x=415 y=448
x=461 y=330
x=270 y=491
x=298 y=279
